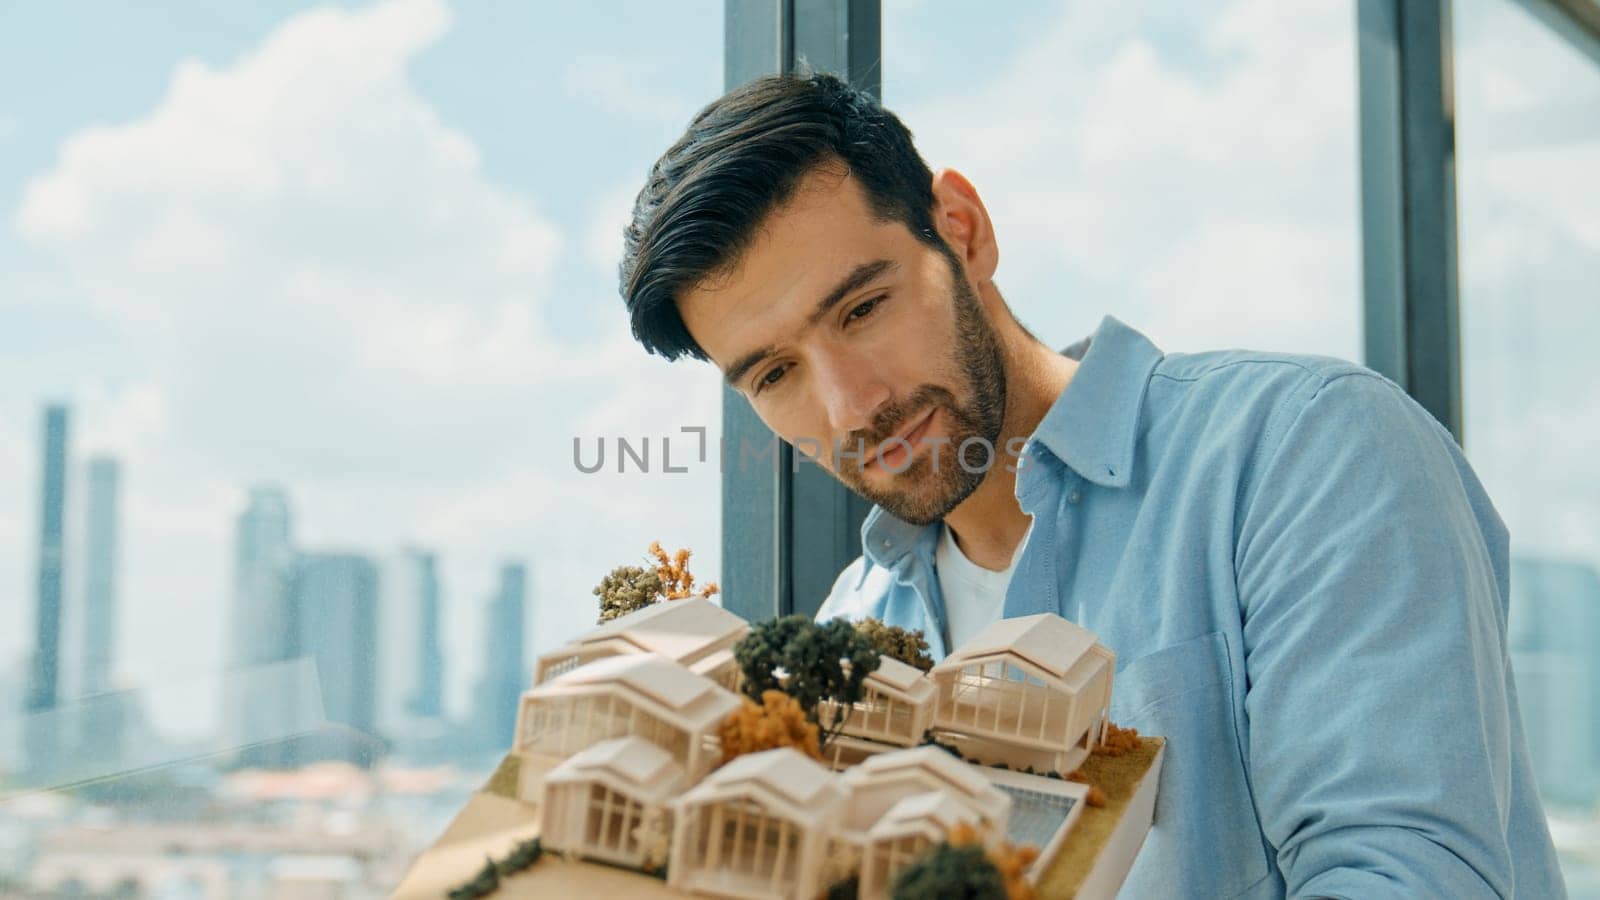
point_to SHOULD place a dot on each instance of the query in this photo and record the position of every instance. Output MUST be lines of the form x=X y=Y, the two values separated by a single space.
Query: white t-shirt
x=973 y=596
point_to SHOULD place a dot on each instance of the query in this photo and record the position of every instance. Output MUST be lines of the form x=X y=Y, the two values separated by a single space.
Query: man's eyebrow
x=859 y=276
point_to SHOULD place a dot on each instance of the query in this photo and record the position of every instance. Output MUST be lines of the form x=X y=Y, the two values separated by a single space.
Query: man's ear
x=963 y=222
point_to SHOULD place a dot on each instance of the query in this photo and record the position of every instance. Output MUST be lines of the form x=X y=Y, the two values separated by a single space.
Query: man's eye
x=864 y=309
x=772 y=377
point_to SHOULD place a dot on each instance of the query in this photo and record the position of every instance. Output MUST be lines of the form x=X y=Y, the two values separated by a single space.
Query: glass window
x=1528 y=150
x=301 y=310
x=1190 y=168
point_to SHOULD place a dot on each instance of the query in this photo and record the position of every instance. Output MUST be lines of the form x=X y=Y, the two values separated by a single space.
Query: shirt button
x=1074 y=497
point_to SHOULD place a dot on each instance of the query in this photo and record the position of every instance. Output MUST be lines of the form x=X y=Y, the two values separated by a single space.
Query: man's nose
x=851 y=392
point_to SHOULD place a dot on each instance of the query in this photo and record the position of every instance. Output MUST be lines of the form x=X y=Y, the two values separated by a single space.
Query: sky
x=368 y=252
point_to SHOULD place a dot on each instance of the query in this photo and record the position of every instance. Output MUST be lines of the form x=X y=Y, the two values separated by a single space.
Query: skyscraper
x=262 y=624
x=336 y=596
x=1554 y=624
x=505 y=673
x=428 y=701
x=100 y=576
x=45 y=675
x=263 y=621
x=101 y=724
x=410 y=659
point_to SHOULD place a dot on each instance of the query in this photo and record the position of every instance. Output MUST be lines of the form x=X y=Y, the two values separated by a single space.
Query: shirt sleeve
x=1379 y=741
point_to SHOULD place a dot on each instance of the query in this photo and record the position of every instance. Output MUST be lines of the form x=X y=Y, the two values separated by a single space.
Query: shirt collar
x=1091 y=427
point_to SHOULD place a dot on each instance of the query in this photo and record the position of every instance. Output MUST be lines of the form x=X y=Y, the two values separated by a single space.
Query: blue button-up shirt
x=1305 y=586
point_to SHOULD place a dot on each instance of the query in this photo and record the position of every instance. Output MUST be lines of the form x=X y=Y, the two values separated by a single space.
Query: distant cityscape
x=335 y=760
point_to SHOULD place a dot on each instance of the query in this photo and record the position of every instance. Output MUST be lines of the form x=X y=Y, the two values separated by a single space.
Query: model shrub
x=777 y=721
x=809 y=662
x=904 y=644
x=627 y=589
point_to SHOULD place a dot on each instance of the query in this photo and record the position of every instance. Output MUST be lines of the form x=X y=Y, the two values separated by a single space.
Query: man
x=1303 y=581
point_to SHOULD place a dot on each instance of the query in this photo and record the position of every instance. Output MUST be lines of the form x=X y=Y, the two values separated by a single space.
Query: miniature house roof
x=658 y=682
x=676 y=629
x=931 y=813
x=645 y=768
x=898 y=679
x=1047 y=641
x=933 y=766
x=783 y=780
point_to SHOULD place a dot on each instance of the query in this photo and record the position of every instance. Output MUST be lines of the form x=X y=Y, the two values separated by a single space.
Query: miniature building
x=905 y=832
x=594 y=803
x=1031 y=691
x=758 y=827
x=896 y=707
x=638 y=694
x=693 y=632
x=879 y=782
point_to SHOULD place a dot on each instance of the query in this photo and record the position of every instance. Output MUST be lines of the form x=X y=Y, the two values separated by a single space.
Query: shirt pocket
x=1206 y=841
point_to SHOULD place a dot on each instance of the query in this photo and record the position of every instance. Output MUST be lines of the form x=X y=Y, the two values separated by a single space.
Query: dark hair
x=742 y=157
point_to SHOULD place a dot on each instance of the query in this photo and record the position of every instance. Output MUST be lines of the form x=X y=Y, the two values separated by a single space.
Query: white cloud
x=312 y=280
x=624 y=87
x=611 y=214
x=1191 y=191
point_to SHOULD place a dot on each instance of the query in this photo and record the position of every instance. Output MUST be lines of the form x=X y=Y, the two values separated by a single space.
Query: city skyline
x=373 y=641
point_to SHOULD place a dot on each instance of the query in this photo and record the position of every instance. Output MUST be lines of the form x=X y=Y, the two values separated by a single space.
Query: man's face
x=846 y=333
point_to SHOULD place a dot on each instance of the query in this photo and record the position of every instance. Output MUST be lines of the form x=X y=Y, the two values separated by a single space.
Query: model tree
x=1010 y=860
x=626 y=589
x=950 y=872
x=962 y=867
x=809 y=662
x=904 y=644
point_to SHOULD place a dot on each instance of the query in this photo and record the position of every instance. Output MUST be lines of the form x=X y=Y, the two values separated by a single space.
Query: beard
x=932 y=485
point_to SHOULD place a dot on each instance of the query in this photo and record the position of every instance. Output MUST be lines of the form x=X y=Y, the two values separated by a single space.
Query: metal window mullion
x=1409 y=275
x=787 y=533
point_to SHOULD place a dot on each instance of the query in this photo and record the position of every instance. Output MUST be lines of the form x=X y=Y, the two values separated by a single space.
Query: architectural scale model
x=1031 y=692
x=694 y=632
x=897 y=710
x=620 y=756
x=642 y=694
x=760 y=826
x=598 y=801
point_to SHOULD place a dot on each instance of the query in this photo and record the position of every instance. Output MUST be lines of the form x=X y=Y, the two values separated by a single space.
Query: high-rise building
x=410 y=659
x=336 y=597
x=101 y=722
x=505 y=674
x=428 y=701
x=1553 y=628
x=100 y=576
x=263 y=628
x=45 y=675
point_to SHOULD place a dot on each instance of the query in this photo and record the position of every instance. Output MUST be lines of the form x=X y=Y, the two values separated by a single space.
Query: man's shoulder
x=1238 y=406
x=1262 y=392
x=1219 y=368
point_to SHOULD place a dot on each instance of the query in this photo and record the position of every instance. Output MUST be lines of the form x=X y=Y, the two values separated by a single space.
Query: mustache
x=888 y=422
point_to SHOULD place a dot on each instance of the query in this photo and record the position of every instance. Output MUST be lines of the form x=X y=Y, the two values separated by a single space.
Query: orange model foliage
x=1118 y=740
x=676 y=582
x=1096 y=797
x=1010 y=861
x=777 y=721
